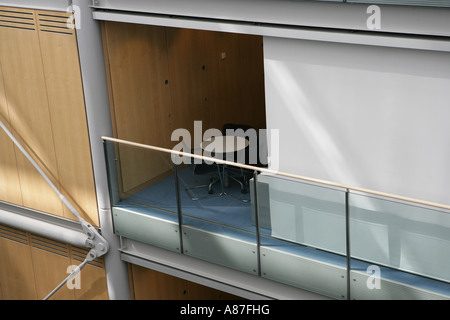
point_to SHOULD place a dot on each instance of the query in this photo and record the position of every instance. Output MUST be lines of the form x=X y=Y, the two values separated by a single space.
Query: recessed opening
x=162 y=79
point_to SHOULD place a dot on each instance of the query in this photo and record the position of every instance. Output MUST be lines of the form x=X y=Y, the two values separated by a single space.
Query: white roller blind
x=364 y=116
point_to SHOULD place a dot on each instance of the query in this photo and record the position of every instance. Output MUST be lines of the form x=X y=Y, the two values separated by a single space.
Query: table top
x=224 y=144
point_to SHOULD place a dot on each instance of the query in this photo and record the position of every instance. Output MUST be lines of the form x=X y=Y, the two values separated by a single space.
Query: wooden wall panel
x=16 y=267
x=24 y=83
x=10 y=191
x=188 y=68
x=147 y=284
x=42 y=99
x=67 y=114
x=151 y=285
x=216 y=78
x=138 y=70
x=50 y=262
x=224 y=79
x=31 y=266
x=236 y=79
x=93 y=276
x=251 y=86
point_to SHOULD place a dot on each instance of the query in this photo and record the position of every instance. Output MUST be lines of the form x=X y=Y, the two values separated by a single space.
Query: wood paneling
x=50 y=261
x=149 y=284
x=93 y=276
x=42 y=102
x=10 y=191
x=16 y=267
x=25 y=88
x=188 y=63
x=224 y=79
x=67 y=113
x=138 y=72
x=31 y=266
x=252 y=92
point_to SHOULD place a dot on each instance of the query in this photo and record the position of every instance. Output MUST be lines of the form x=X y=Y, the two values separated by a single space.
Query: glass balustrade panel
x=143 y=195
x=302 y=231
x=216 y=206
x=399 y=249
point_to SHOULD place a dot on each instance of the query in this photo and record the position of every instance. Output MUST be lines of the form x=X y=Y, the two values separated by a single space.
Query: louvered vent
x=17 y=18
x=55 y=22
x=79 y=254
x=13 y=234
x=50 y=245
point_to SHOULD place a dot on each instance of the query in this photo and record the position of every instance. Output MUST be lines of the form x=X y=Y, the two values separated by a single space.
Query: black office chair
x=202 y=169
x=251 y=153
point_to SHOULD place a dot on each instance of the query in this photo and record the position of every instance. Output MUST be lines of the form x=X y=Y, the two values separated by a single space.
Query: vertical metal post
x=98 y=116
x=111 y=172
x=347 y=240
x=180 y=217
x=258 y=238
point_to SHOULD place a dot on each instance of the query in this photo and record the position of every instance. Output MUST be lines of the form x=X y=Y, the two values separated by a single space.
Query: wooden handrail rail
x=279 y=173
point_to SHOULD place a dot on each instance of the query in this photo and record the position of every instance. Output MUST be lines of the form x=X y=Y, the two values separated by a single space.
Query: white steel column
x=99 y=123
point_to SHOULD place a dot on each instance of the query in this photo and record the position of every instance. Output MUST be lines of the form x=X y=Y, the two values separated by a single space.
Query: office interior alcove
x=162 y=79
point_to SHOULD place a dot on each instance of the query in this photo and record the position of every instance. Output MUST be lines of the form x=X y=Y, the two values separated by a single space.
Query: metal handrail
x=279 y=173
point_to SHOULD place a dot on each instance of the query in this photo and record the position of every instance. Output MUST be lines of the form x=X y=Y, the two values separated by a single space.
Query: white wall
x=364 y=116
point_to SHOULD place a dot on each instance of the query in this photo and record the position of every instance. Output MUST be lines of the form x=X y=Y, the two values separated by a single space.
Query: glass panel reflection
x=216 y=212
x=406 y=245
x=303 y=240
x=143 y=192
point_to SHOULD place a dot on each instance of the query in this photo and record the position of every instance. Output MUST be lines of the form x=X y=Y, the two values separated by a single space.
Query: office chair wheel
x=210 y=191
x=244 y=191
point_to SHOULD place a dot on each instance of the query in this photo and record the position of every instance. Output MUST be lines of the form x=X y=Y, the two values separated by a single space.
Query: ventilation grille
x=17 y=18
x=62 y=249
x=79 y=254
x=13 y=234
x=55 y=22
x=49 y=245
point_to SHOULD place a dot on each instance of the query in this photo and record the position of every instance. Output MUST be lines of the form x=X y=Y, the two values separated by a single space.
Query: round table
x=224 y=144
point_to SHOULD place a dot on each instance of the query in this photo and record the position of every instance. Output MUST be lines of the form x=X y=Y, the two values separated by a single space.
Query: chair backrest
x=252 y=156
